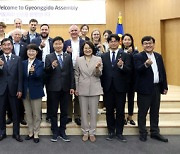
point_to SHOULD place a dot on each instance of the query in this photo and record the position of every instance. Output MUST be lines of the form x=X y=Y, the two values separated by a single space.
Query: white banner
x=54 y=12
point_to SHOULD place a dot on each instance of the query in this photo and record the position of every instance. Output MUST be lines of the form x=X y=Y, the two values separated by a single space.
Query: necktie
x=8 y=60
x=60 y=60
x=113 y=59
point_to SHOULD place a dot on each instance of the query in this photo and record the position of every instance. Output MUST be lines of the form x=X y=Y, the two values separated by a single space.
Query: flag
x=119 y=28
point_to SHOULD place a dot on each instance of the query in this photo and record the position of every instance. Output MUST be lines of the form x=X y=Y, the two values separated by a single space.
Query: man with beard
x=44 y=42
x=31 y=34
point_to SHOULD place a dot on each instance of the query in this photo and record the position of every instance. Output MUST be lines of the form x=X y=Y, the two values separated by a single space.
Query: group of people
x=85 y=68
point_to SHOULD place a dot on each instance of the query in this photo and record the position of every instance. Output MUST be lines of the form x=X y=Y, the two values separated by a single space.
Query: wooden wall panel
x=170 y=36
x=142 y=17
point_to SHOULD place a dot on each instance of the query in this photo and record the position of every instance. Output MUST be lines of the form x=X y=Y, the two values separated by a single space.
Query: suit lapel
x=108 y=59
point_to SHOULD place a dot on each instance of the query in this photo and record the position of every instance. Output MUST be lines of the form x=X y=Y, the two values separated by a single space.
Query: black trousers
x=14 y=106
x=130 y=99
x=56 y=98
x=115 y=101
x=21 y=110
x=146 y=102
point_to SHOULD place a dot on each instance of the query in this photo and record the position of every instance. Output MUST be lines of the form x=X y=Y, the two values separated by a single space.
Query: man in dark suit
x=60 y=85
x=73 y=46
x=150 y=83
x=44 y=42
x=10 y=87
x=31 y=34
x=19 y=49
x=116 y=66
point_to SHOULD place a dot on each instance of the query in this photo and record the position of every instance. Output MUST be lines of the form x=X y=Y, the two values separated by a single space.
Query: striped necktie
x=60 y=60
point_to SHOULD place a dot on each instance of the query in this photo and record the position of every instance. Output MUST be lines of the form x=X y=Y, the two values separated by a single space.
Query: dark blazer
x=27 y=39
x=114 y=75
x=145 y=76
x=68 y=43
x=23 y=51
x=11 y=75
x=33 y=82
x=132 y=75
x=59 y=79
x=37 y=41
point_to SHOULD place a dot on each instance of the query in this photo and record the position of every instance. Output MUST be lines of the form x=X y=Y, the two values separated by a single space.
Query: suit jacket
x=132 y=75
x=27 y=39
x=22 y=52
x=87 y=79
x=11 y=76
x=37 y=41
x=115 y=75
x=145 y=76
x=59 y=78
x=33 y=82
x=68 y=43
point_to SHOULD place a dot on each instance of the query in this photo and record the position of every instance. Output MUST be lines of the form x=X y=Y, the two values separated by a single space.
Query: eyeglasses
x=148 y=43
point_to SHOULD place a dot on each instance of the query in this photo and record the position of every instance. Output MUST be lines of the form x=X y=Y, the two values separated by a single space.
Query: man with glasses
x=151 y=82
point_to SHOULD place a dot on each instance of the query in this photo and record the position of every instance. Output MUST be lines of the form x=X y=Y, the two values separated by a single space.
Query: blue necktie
x=113 y=59
x=60 y=60
x=8 y=60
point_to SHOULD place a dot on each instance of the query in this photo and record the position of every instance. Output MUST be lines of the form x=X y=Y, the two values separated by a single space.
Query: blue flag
x=119 y=28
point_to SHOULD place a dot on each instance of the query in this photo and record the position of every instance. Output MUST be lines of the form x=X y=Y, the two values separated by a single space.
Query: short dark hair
x=5 y=40
x=147 y=38
x=84 y=25
x=45 y=25
x=32 y=46
x=107 y=31
x=91 y=45
x=33 y=20
x=132 y=41
x=58 y=38
x=117 y=38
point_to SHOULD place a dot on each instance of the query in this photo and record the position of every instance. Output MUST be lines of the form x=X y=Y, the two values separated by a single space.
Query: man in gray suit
x=10 y=87
x=60 y=85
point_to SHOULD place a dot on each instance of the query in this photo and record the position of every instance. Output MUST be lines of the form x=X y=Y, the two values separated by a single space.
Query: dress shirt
x=5 y=55
x=75 y=50
x=154 y=67
x=61 y=56
x=32 y=36
x=46 y=50
x=16 y=48
x=30 y=62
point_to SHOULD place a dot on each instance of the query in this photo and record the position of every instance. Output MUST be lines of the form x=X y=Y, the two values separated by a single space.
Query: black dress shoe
x=8 y=121
x=110 y=136
x=121 y=138
x=78 y=121
x=3 y=136
x=36 y=140
x=159 y=137
x=143 y=137
x=29 y=137
x=23 y=122
x=69 y=120
x=131 y=121
x=17 y=138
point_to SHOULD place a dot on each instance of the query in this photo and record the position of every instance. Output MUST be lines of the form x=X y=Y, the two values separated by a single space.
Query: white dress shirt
x=75 y=50
x=154 y=67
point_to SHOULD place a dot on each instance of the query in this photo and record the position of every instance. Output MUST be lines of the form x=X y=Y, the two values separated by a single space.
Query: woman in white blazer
x=88 y=70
